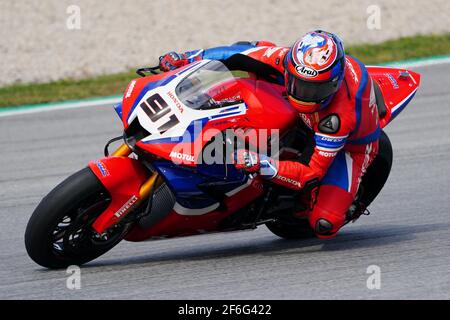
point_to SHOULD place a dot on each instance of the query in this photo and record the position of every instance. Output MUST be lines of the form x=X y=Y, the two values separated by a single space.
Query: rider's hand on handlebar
x=247 y=160
x=253 y=162
x=172 y=61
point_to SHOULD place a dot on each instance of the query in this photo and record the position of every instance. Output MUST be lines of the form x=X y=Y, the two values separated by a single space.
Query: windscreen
x=200 y=89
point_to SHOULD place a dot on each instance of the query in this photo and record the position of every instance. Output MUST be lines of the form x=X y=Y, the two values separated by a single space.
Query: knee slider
x=323 y=227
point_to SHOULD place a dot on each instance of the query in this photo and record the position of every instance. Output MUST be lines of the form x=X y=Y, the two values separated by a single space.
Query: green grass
x=402 y=49
x=69 y=89
x=115 y=84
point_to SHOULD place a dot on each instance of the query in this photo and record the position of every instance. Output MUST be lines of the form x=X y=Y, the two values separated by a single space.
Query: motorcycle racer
x=335 y=98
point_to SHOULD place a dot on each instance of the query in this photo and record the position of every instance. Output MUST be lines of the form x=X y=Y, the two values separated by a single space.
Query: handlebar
x=143 y=71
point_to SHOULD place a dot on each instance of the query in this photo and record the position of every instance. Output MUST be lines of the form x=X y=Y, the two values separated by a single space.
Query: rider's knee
x=329 y=212
x=326 y=223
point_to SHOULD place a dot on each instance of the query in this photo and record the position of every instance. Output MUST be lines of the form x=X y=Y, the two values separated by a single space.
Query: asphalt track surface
x=407 y=235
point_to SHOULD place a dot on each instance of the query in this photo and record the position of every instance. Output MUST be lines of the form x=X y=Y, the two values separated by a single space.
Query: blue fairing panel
x=184 y=182
x=118 y=108
x=219 y=53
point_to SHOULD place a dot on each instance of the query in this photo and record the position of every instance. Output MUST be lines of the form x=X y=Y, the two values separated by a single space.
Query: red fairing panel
x=133 y=90
x=178 y=224
x=267 y=110
x=398 y=87
x=123 y=178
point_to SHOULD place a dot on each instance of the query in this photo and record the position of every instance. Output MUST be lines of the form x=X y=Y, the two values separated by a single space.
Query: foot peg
x=355 y=211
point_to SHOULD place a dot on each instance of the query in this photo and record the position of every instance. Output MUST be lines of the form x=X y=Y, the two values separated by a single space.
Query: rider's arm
x=218 y=53
x=296 y=175
x=262 y=51
x=224 y=52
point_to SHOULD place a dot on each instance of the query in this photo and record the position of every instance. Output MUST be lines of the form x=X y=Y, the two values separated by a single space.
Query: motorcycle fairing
x=193 y=131
x=180 y=222
x=122 y=177
x=398 y=87
x=167 y=119
x=196 y=190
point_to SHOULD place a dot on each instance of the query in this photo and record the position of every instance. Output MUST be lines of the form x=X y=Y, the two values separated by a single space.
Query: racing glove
x=253 y=162
x=172 y=61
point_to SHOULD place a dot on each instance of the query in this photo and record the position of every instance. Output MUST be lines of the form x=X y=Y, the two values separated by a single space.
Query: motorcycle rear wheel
x=59 y=232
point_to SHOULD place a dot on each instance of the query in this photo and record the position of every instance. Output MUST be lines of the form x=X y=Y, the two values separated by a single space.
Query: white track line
x=62 y=106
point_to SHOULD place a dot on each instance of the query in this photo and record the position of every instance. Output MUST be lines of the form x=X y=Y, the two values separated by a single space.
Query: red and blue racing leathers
x=346 y=134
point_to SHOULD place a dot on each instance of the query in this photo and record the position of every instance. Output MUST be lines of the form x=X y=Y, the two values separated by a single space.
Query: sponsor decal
x=176 y=101
x=329 y=144
x=130 y=89
x=306 y=71
x=306 y=120
x=127 y=206
x=367 y=158
x=281 y=55
x=392 y=80
x=350 y=67
x=101 y=166
x=270 y=51
x=327 y=154
x=331 y=139
x=234 y=98
x=182 y=156
x=289 y=180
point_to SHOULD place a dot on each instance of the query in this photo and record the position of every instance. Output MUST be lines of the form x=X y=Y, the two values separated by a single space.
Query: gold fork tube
x=122 y=151
x=148 y=186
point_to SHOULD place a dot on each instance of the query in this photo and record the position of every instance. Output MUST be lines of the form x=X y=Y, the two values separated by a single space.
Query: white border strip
x=178 y=208
x=61 y=106
x=419 y=63
x=394 y=109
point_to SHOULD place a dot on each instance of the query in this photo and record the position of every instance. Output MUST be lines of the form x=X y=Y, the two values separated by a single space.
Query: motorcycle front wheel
x=59 y=232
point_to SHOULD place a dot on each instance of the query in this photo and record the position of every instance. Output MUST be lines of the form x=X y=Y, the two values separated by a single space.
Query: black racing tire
x=378 y=172
x=300 y=229
x=59 y=232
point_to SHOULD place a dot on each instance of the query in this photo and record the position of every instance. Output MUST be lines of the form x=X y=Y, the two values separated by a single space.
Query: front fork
x=145 y=190
x=127 y=182
x=123 y=151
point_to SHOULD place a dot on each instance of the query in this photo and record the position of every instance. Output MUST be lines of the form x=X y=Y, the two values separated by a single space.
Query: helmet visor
x=311 y=91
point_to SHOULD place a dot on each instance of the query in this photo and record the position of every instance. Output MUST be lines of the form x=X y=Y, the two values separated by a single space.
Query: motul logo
x=327 y=154
x=182 y=156
x=307 y=71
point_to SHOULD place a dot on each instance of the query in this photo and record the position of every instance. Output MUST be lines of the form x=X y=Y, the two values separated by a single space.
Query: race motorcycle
x=148 y=189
